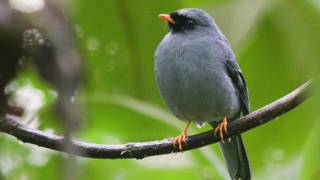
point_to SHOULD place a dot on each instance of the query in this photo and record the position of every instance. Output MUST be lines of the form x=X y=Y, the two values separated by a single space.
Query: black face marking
x=183 y=23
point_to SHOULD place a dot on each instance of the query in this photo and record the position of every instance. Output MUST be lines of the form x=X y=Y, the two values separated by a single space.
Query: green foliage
x=121 y=102
x=311 y=156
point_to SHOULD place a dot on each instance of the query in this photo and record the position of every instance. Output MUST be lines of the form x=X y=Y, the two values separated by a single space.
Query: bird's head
x=188 y=20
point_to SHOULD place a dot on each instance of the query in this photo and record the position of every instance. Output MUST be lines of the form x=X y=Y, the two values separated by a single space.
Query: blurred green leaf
x=311 y=154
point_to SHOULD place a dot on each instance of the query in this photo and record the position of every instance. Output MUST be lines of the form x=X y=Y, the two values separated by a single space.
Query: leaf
x=311 y=154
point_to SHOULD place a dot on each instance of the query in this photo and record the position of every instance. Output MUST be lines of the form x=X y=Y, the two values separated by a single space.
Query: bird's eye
x=190 y=22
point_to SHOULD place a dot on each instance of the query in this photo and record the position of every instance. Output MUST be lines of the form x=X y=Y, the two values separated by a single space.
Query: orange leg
x=182 y=137
x=222 y=128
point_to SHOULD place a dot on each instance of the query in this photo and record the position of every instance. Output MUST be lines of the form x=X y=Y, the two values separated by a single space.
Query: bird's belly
x=198 y=94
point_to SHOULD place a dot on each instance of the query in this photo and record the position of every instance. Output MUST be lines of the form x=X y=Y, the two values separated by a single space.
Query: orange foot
x=222 y=128
x=182 y=138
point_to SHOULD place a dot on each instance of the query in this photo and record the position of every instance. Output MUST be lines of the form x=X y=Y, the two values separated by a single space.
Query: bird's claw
x=182 y=138
x=222 y=128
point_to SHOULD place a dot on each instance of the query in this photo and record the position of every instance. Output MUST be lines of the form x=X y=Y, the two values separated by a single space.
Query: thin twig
x=140 y=150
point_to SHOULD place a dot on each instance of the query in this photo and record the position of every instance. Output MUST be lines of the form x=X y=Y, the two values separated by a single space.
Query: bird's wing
x=237 y=78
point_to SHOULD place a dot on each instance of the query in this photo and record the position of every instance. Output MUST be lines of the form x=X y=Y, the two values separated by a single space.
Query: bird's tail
x=236 y=158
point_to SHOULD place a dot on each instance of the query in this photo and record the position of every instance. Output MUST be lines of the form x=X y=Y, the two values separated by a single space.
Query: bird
x=200 y=81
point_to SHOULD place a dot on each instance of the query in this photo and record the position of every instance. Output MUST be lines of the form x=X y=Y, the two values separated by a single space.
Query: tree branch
x=140 y=150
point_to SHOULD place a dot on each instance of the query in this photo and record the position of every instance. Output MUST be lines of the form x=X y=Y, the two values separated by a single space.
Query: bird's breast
x=193 y=82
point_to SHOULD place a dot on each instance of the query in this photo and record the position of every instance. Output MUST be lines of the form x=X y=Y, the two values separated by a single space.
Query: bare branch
x=140 y=150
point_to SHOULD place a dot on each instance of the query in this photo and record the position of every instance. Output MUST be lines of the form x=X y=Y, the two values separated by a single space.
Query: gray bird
x=201 y=81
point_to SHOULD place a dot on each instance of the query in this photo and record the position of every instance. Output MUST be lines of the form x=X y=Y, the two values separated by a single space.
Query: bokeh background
x=277 y=46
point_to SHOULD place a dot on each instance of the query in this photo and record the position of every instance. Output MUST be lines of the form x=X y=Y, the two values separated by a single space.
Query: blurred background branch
x=38 y=33
x=145 y=149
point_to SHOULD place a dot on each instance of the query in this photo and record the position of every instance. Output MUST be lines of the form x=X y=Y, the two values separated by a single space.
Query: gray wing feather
x=237 y=78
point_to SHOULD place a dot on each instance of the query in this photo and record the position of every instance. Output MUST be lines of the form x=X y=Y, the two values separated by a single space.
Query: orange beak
x=167 y=17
